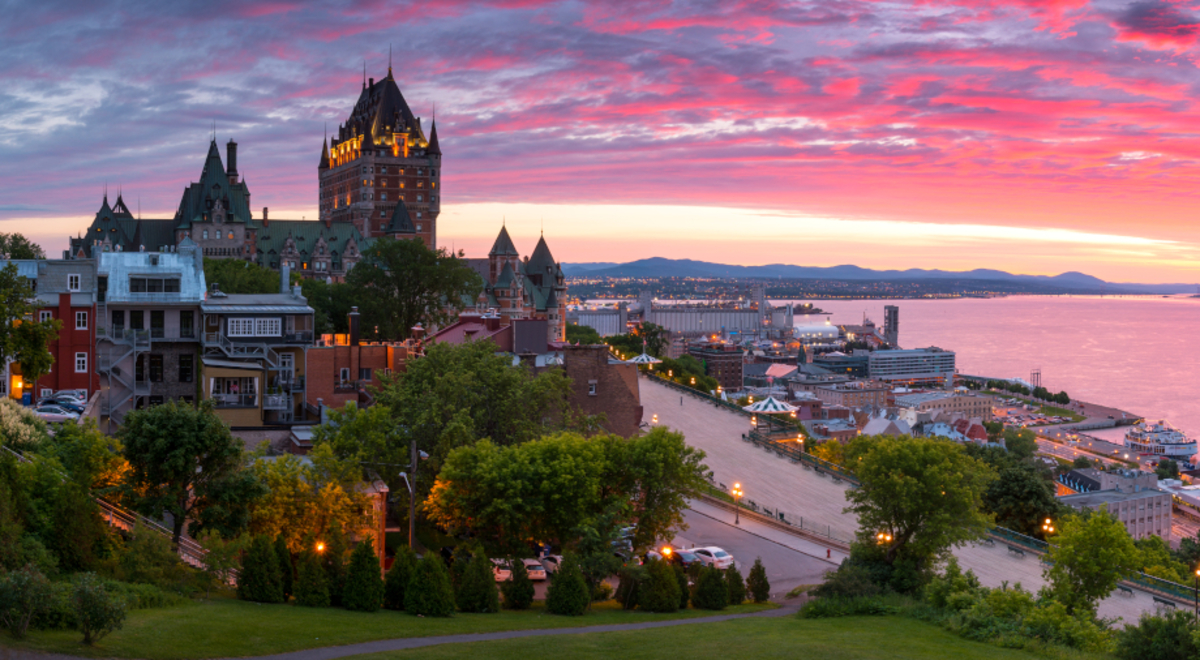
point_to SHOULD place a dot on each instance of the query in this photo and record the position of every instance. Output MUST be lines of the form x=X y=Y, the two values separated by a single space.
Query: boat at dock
x=1160 y=439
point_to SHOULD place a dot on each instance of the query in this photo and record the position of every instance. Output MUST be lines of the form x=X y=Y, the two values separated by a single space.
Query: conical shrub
x=759 y=586
x=334 y=561
x=735 y=588
x=477 y=592
x=685 y=593
x=311 y=590
x=363 y=591
x=659 y=592
x=398 y=576
x=429 y=592
x=259 y=580
x=287 y=572
x=518 y=592
x=568 y=593
x=711 y=591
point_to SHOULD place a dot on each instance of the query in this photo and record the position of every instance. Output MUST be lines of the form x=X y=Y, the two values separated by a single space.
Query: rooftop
x=1097 y=498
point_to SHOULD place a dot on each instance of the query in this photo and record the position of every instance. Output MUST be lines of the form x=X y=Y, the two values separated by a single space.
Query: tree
x=1022 y=444
x=595 y=540
x=659 y=589
x=1168 y=637
x=398 y=577
x=260 y=579
x=333 y=558
x=712 y=592
x=429 y=593
x=760 y=587
x=331 y=303
x=32 y=341
x=1081 y=463
x=924 y=494
x=16 y=246
x=1167 y=469
x=402 y=283
x=1021 y=499
x=97 y=612
x=478 y=592
x=24 y=594
x=1088 y=557
x=582 y=334
x=685 y=591
x=364 y=588
x=286 y=569
x=311 y=588
x=518 y=591
x=184 y=461
x=238 y=276
x=221 y=557
x=568 y=593
x=735 y=586
x=1155 y=558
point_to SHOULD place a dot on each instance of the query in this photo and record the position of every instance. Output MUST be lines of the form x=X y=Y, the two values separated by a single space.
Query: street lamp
x=1196 y=596
x=737 y=503
x=1048 y=527
x=883 y=538
x=320 y=547
x=411 y=484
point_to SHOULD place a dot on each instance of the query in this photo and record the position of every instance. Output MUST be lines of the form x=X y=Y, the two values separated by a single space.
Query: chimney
x=266 y=220
x=371 y=85
x=285 y=275
x=231 y=162
x=353 y=316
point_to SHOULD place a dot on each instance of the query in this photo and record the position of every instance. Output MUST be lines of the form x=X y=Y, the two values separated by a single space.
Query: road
x=1067 y=452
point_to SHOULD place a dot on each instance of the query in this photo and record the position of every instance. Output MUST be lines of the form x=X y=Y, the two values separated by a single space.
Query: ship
x=1160 y=439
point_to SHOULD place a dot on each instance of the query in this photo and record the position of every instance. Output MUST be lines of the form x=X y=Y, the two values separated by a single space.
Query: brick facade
x=325 y=365
x=600 y=387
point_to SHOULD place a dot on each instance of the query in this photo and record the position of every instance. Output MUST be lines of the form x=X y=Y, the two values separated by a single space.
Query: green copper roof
x=503 y=247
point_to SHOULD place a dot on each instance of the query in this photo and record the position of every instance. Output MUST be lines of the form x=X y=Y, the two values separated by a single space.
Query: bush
x=518 y=592
x=601 y=592
x=429 y=593
x=711 y=592
x=759 y=586
x=287 y=571
x=735 y=586
x=659 y=592
x=24 y=594
x=953 y=589
x=364 y=588
x=334 y=561
x=848 y=581
x=311 y=590
x=1050 y=622
x=568 y=594
x=477 y=592
x=836 y=606
x=629 y=577
x=685 y=591
x=60 y=615
x=259 y=580
x=397 y=578
x=97 y=612
x=1154 y=637
x=142 y=596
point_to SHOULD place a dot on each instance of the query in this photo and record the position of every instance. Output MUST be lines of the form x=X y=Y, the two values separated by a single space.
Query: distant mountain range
x=662 y=267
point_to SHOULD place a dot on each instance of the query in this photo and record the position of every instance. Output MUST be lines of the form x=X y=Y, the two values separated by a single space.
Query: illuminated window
x=231 y=236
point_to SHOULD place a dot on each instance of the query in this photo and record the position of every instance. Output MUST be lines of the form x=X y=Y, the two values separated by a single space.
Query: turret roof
x=401 y=222
x=503 y=247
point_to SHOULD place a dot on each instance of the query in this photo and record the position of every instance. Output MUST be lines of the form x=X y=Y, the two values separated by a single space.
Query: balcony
x=277 y=402
x=235 y=400
x=302 y=337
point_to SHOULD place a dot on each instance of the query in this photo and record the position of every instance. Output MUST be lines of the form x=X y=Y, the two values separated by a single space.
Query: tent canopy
x=769 y=405
x=644 y=359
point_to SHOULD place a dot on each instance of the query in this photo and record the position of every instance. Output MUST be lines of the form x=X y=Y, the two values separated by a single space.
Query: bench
x=988 y=542
x=1125 y=591
x=1163 y=603
x=1016 y=551
x=837 y=480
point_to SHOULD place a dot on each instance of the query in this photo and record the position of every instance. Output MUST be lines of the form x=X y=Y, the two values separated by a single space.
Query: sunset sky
x=1032 y=136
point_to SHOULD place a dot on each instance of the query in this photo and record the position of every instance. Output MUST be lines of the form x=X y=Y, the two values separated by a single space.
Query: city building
x=531 y=289
x=837 y=362
x=891 y=325
x=602 y=386
x=964 y=404
x=606 y=321
x=722 y=361
x=342 y=368
x=1131 y=496
x=922 y=366
x=381 y=172
x=845 y=393
x=147 y=334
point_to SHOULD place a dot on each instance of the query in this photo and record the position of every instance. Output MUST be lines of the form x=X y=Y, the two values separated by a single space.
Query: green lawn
x=860 y=638
x=230 y=628
x=1055 y=411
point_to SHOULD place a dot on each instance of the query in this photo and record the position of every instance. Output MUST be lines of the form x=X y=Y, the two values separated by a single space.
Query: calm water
x=1138 y=354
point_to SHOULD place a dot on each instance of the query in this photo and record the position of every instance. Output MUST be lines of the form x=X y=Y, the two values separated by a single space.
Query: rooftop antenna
x=364 y=73
x=389 y=59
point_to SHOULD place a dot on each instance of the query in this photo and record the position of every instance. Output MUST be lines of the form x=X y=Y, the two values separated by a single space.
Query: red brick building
x=344 y=368
x=601 y=386
x=66 y=290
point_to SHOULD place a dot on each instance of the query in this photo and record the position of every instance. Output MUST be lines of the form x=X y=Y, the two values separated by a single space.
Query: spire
x=364 y=73
x=433 y=148
x=324 y=165
x=503 y=247
x=389 y=61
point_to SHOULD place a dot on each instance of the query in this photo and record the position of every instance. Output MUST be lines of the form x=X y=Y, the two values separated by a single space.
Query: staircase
x=114 y=347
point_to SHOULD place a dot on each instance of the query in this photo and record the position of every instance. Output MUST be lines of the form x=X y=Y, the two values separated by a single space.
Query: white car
x=501 y=571
x=50 y=413
x=534 y=568
x=551 y=563
x=714 y=557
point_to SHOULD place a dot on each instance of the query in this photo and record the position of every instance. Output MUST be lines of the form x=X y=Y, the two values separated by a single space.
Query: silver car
x=51 y=413
x=714 y=557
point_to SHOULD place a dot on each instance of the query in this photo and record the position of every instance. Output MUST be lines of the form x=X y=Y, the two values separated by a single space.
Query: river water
x=1140 y=354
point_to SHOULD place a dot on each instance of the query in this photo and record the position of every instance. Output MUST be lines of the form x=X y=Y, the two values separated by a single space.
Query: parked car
x=50 y=413
x=552 y=562
x=714 y=557
x=683 y=558
x=501 y=570
x=64 y=403
x=537 y=572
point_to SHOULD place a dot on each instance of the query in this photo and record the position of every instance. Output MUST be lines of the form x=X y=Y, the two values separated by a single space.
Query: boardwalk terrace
x=921 y=366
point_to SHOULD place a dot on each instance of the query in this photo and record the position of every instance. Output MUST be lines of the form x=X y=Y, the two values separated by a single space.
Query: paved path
x=777 y=483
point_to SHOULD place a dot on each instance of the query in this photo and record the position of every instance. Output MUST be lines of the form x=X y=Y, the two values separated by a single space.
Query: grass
x=1055 y=411
x=860 y=638
x=227 y=628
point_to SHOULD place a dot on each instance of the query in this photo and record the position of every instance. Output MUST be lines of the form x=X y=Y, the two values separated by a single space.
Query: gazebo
x=770 y=406
x=644 y=359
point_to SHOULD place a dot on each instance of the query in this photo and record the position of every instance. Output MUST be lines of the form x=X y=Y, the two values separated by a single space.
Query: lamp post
x=1048 y=527
x=737 y=503
x=411 y=484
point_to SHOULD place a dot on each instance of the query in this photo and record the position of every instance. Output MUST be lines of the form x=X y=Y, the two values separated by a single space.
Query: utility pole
x=412 y=495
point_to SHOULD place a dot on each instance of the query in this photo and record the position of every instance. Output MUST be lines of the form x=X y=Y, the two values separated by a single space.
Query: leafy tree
x=364 y=588
x=659 y=590
x=76 y=534
x=331 y=303
x=429 y=593
x=685 y=591
x=311 y=588
x=478 y=592
x=1166 y=637
x=260 y=579
x=735 y=586
x=32 y=341
x=658 y=472
x=184 y=461
x=925 y=494
x=24 y=594
x=829 y=450
x=16 y=246
x=518 y=592
x=221 y=556
x=1021 y=499
x=582 y=334
x=1081 y=463
x=757 y=583
x=712 y=592
x=90 y=457
x=146 y=558
x=238 y=276
x=97 y=612
x=286 y=569
x=1167 y=469
x=1087 y=559
x=568 y=593
x=398 y=577
x=1022 y=443
x=1155 y=558
x=333 y=558
x=594 y=543
x=402 y=283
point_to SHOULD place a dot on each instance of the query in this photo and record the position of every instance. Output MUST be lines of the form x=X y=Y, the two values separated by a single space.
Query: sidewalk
x=769 y=533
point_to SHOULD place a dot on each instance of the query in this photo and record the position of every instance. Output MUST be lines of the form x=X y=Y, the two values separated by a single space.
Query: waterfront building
x=922 y=366
x=606 y=321
x=837 y=362
x=381 y=172
x=1160 y=439
x=1130 y=495
x=838 y=391
x=891 y=325
x=951 y=403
